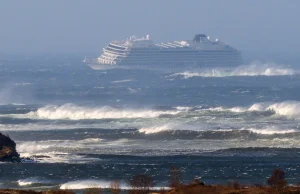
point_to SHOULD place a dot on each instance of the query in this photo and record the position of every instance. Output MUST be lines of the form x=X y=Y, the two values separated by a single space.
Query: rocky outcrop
x=8 y=152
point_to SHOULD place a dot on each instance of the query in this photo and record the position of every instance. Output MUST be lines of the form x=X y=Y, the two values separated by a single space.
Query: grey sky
x=88 y=25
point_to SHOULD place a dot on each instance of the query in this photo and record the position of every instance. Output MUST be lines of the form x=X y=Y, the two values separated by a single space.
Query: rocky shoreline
x=8 y=152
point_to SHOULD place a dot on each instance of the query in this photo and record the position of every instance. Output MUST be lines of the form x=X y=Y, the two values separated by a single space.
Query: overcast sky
x=88 y=25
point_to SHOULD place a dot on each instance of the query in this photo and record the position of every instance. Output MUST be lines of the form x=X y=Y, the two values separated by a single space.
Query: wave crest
x=285 y=108
x=74 y=112
x=32 y=181
x=85 y=184
x=272 y=131
x=155 y=129
x=254 y=69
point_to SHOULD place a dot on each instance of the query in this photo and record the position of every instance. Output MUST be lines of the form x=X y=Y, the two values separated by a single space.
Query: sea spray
x=254 y=69
x=286 y=108
x=74 y=112
x=32 y=181
x=90 y=183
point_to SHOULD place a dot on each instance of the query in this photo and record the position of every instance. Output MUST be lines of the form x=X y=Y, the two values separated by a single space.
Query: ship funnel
x=200 y=37
x=148 y=37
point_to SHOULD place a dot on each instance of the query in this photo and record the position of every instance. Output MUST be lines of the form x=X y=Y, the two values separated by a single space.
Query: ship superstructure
x=201 y=51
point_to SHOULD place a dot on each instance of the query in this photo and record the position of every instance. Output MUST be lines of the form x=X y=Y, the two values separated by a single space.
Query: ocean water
x=86 y=128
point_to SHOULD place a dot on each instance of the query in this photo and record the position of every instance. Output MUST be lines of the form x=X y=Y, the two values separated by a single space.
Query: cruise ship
x=199 y=52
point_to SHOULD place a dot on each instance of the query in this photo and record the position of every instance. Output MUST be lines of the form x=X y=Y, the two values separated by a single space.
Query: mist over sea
x=87 y=127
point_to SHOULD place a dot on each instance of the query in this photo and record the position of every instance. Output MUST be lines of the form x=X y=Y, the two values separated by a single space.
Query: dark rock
x=8 y=152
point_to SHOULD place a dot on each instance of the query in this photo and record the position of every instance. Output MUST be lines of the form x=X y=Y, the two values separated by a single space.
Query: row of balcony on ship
x=112 y=59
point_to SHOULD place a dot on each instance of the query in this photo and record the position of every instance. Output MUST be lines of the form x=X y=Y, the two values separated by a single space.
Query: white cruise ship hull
x=176 y=59
x=201 y=52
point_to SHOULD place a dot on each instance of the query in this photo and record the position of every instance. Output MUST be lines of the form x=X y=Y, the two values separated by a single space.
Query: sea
x=86 y=128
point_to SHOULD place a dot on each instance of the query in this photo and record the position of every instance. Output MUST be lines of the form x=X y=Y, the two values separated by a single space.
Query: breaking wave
x=254 y=69
x=85 y=184
x=289 y=109
x=74 y=112
x=170 y=127
x=272 y=131
x=104 y=184
x=173 y=133
x=285 y=108
x=155 y=129
x=56 y=151
x=32 y=181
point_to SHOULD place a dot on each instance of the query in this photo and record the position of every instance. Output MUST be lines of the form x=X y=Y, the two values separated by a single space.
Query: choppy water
x=87 y=127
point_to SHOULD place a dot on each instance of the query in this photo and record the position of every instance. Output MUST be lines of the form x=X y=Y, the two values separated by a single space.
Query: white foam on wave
x=237 y=109
x=234 y=109
x=155 y=129
x=34 y=146
x=121 y=81
x=184 y=108
x=74 y=112
x=254 y=69
x=90 y=183
x=32 y=180
x=272 y=130
x=45 y=146
x=54 y=151
x=259 y=106
x=91 y=140
x=285 y=108
x=104 y=184
x=172 y=126
x=69 y=151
